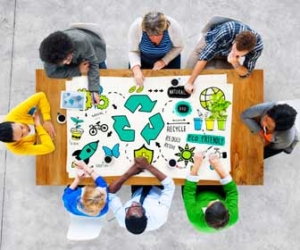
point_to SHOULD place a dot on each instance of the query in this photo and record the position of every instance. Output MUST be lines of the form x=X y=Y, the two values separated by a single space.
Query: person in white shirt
x=145 y=211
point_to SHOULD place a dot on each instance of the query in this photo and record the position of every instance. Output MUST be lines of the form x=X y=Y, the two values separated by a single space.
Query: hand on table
x=95 y=97
x=84 y=67
x=159 y=65
x=48 y=126
x=198 y=158
x=138 y=75
x=141 y=163
x=189 y=87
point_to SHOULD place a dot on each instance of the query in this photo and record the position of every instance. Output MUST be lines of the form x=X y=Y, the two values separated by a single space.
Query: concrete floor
x=33 y=218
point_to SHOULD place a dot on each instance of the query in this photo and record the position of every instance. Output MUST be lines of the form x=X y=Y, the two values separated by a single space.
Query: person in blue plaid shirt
x=231 y=40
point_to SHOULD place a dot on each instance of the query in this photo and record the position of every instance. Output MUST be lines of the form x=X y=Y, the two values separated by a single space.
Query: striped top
x=153 y=51
x=219 y=43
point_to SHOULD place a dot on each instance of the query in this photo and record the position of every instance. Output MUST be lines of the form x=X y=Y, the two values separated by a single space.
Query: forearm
x=175 y=51
x=134 y=58
x=93 y=78
x=200 y=65
x=117 y=184
x=157 y=173
x=74 y=184
x=54 y=71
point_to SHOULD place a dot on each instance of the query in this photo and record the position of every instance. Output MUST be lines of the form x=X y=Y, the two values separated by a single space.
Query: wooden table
x=246 y=149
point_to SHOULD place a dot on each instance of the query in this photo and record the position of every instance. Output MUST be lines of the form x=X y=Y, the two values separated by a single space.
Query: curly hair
x=56 y=47
x=245 y=40
x=283 y=115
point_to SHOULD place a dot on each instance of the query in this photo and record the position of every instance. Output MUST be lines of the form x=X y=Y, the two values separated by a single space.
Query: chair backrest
x=85 y=228
x=93 y=27
x=216 y=20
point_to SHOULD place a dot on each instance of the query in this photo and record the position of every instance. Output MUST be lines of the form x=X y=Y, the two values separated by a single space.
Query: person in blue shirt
x=90 y=201
x=155 y=42
x=230 y=40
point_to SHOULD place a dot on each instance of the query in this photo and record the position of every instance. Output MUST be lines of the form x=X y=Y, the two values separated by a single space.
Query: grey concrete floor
x=32 y=217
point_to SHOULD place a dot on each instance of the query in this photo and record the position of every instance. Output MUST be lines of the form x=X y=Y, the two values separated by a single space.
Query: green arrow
x=120 y=122
x=152 y=130
x=134 y=101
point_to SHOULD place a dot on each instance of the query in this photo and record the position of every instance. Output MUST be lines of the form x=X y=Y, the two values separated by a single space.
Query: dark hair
x=283 y=115
x=136 y=225
x=6 y=132
x=56 y=47
x=245 y=40
x=217 y=215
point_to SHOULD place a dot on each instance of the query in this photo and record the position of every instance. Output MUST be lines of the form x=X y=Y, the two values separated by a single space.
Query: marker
x=94 y=101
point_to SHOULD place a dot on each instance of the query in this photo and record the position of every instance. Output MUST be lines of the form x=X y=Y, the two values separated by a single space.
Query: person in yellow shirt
x=22 y=127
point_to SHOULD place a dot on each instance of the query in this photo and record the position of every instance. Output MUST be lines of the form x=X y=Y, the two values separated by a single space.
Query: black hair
x=56 y=47
x=217 y=215
x=136 y=225
x=6 y=132
x=283 y=115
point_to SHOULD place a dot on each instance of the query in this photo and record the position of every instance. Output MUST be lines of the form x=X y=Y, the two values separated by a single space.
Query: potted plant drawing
x=217 y=105
x=76 y=131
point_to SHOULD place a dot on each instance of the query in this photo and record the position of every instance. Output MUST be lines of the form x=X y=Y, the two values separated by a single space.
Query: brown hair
x=93 y=200
x=246 y=40
x=155 y=23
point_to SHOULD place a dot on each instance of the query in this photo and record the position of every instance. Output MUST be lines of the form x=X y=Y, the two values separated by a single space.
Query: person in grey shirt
x=74 y=52
x=274 y=123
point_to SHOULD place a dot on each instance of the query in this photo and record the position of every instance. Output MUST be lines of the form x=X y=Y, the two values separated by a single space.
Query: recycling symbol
x=150 y=131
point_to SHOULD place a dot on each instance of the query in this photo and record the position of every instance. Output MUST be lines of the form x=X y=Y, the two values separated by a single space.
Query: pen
x=94 y=101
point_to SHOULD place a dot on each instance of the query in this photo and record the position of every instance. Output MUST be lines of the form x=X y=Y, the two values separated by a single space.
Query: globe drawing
x=206 y=95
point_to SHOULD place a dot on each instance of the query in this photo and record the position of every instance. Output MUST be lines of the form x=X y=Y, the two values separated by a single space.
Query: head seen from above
x=280 y=117
x=155 y=23
x=135 y=218
x=93 y=200
x=57 y=49
x=216 y=215
x=12 y=132
x=243 y=43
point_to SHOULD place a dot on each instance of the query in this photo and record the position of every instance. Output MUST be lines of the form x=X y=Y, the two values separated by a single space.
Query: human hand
x=138 y=75
x=36 y=118
x=81 y=165
x=214 y=161
x=198 y=158
x=95 y=97
x=80 y=174
x=232 y=59
x=189 y=87
x=159 y=65
x=84 y=67
x=48 y=126
x=141 y=162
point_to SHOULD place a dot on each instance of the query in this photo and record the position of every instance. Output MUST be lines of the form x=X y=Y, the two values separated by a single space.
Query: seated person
x=149 y=206
x=210 y=208
x=274 y=123
x=231 y=40
x=22 y=127
x=90 y=201
x=74 y=52
x=155 y=42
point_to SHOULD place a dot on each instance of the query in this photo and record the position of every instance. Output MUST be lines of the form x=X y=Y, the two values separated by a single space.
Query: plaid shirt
x=219 y=41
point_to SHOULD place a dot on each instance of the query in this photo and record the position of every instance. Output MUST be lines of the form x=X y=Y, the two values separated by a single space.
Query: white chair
x=85 y=228
x=215 y=20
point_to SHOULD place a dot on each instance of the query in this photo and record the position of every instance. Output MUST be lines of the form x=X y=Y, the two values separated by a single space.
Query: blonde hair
x=155 y=23
x=93 y=200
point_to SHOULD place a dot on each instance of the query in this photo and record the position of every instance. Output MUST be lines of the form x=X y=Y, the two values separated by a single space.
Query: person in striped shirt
x=232 y=40
x=155 y=42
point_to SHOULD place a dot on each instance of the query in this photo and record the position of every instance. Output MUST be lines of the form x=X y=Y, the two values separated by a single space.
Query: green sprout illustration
x=76 y=121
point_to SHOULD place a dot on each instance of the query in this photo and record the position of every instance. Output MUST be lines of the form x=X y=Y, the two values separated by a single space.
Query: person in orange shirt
x=22 y=125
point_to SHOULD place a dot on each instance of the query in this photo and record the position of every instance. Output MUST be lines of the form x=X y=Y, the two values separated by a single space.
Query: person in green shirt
x=210 y=208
